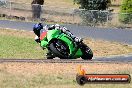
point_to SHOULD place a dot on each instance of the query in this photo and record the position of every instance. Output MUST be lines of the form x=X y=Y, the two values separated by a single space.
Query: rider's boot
x=37 y=39
x=76 y=39
x=49 y=55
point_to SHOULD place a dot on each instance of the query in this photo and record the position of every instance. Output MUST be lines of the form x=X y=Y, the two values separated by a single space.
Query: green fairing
x=69 y=41
x=44 y=42
x=57 y=34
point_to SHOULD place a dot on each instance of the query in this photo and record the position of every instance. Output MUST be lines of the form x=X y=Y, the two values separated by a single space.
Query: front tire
x=59 y=49
x=87 y=52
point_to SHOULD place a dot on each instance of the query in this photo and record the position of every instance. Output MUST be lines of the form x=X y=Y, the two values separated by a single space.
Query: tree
x=93 y=4
x=126 y=11
x=126 y=6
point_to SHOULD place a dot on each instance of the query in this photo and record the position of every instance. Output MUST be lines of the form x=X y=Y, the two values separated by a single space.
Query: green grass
x=12 y=46
x=19 y=81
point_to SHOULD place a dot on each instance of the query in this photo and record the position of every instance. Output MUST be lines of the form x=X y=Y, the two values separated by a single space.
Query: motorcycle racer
x=38 y=30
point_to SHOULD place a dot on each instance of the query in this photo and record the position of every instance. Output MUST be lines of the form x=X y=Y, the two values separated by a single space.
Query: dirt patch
x=47 y=16
x=58 y=3
x=17 y=33
x=49 y=75
x=105 y=48
x=30 y=69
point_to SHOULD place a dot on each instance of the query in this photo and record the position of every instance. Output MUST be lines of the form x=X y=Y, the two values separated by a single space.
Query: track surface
x=118 y=35
x=112 y=59
x=110 y=34
x=58 y=61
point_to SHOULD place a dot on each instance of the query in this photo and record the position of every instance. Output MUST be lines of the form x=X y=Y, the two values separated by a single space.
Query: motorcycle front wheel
x=59 y=49
x=87 y=52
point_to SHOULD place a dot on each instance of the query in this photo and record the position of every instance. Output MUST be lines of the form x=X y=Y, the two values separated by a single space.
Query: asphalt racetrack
x=109 y=34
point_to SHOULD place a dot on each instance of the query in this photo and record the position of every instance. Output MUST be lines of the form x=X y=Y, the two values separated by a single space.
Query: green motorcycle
x=63 y=46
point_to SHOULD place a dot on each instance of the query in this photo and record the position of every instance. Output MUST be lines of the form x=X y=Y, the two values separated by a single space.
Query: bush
x=125 y=15
x=125 y=18
x=93 y=4
x=94 y=11
x=94 y=17
x=3 y=3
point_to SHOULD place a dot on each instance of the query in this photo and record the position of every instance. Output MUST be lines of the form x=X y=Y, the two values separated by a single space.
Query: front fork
x=86 y=49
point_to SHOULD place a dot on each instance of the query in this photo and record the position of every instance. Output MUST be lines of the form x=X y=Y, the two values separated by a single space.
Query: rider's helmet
x=37 y=28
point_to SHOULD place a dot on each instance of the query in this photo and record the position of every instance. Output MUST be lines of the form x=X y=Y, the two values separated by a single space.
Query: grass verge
x=40 y=75
x=15 y=44
x=20 y=44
